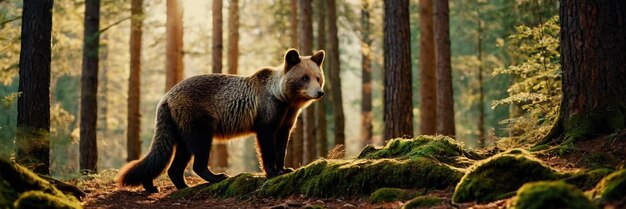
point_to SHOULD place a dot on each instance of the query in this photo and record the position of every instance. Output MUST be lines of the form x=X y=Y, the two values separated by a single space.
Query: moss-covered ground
x=555 y=194
x=21 y=188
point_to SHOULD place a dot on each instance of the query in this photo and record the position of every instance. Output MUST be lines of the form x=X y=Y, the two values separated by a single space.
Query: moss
x=39 y=199
x=539 y=147
x=611 y=188
x=556 y=194
x=422 y=202
x=391 y=194
x=500 y=176
x=21 y=187
x=600 y=160
x=587 y=179
x=240 y=186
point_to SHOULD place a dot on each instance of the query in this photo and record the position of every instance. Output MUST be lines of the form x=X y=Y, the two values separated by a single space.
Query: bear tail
x=152 y=165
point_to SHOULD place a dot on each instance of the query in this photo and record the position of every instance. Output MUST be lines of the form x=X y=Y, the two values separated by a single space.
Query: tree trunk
x=398 y=108
x=33 y=105
x=306 y=48
x=133 y=143
x=295 y=149
x=593 y=59
x=174 y=46
x=233 y=36
x=334 y=73
x=481 y=96
x=217 y=36
x=366 y=79
x=428 y=86
x=219 y=162
x=320 y=105
x=445 y=105
x=89 y=89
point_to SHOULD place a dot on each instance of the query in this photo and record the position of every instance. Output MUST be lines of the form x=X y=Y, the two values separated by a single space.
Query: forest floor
x=102 y=192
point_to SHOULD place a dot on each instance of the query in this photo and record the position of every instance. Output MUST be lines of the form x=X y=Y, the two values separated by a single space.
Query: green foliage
x=422 y=202
x=391 y=194
x=501 y=175
x=556 y=194
x=537 y=87
x=21 y=188
x=611 y=188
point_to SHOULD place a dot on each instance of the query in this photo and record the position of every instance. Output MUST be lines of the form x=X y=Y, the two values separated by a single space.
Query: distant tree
x=133 y=144
x=481 y=95
x=428 y=86
x=33 y=105
x=174 y=44
x=445 y=103
x=233 y=36
x=219 y=159
x=320 y=105
x=593 y=52
x=366 y=71
x=398 y=109
x=306 y=48
x=333 y=70
x=295 y=152
x=89 y=88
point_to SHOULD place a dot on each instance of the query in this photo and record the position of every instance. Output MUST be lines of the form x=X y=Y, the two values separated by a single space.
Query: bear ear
x=292 y=58
x=318 y=57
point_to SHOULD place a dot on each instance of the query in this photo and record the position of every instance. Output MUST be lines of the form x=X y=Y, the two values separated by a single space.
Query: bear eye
x=318 y=79
x=305 y=78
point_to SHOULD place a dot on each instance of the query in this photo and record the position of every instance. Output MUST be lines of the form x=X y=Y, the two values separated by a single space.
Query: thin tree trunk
x=593 y=58
x=322 y=138
x=219 y=161
x=101 y=125
x=398 y=109
x=334 y=73
x=481 y=99
x=133 y=143
x=33 y=105
x=89 y=89
x=174 y=45
x=233 y=36
x=294 y=154
x=217 y=36
x=428 y=86
x=306 y=48
x=366 y=80
x=445 y=105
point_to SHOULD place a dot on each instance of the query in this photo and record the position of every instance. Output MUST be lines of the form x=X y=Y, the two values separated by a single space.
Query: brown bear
x=218 y=106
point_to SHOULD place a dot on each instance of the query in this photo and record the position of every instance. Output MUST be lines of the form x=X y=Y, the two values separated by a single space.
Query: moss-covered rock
x=587 y=179
x=442 y=148
x=422 y=202
x=391 y=194
x=21 y=188
x=611 y=188
x=241 y=185
x=556 y=194
x=500 y=176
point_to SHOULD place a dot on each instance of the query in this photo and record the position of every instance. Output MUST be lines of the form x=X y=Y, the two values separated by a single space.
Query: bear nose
x=320 y=94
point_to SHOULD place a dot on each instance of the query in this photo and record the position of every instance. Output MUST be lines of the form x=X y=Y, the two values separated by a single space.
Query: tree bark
x=481 y=95
x=445 y=104
x=334 y=74
x=217 y=36
x=593 y=59
x=89 y=88
x=33 y=105
x=133 y=144
x=306 y=48
x=233 y=36
x=219 y=162
x=295 y=148
x=428 y=86
x=320 y=105
x=398 y=109
x=174 y=45
x=366 y=71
